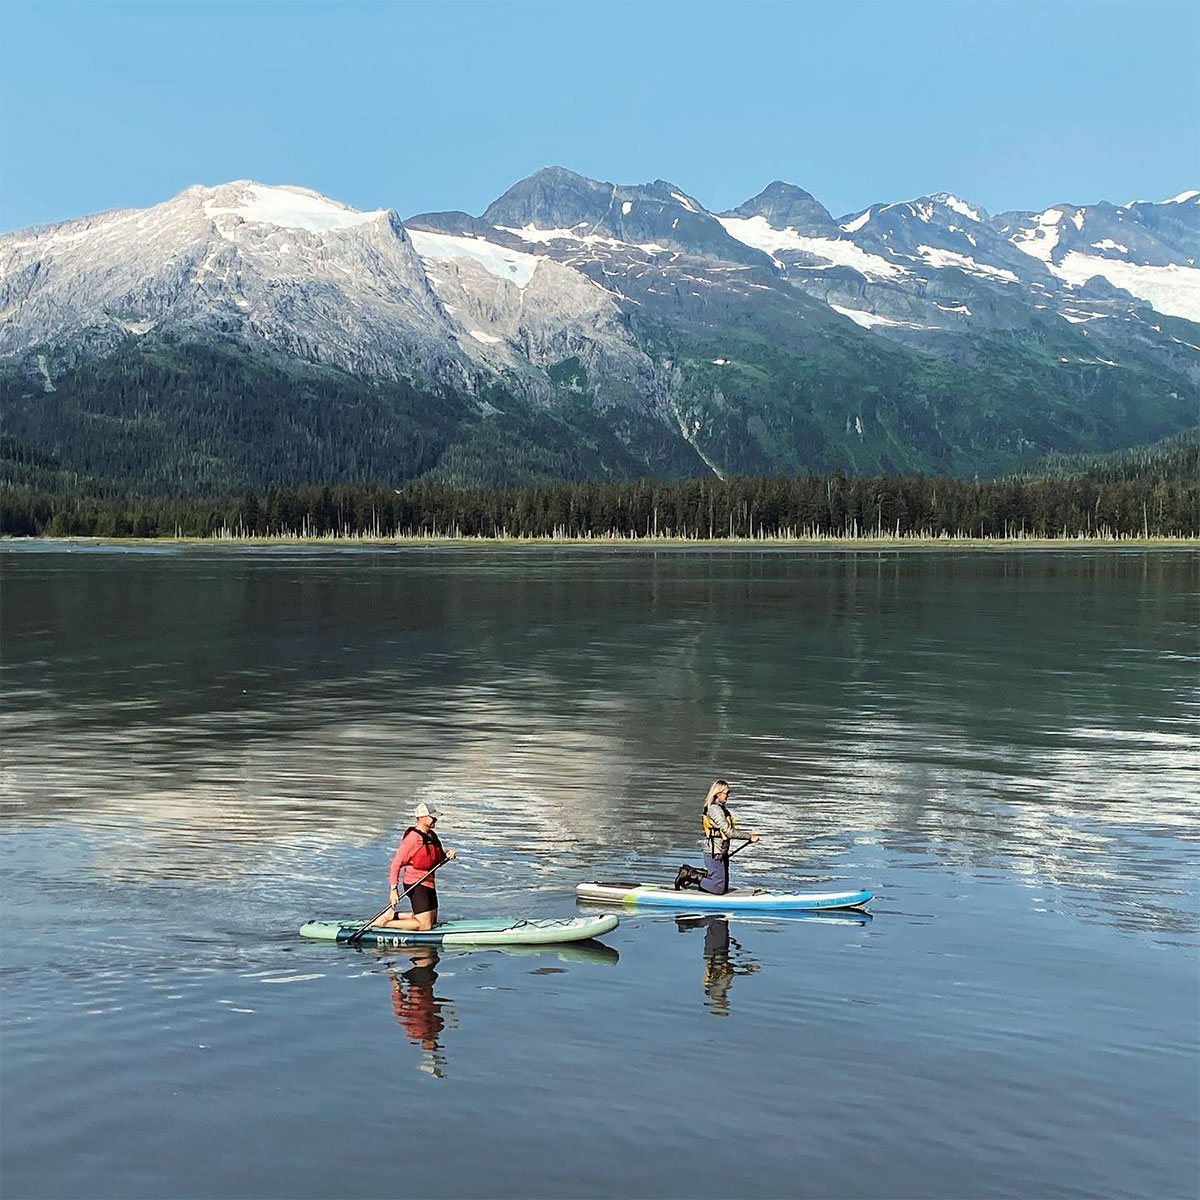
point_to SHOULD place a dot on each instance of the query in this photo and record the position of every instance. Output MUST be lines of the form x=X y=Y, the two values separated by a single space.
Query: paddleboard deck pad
x=734 y=900
x=500 y=931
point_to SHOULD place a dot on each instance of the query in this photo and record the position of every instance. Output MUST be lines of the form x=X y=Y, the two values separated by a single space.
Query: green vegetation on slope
x=866 y=406
x=1175 y=457
x=191 y=418
x=171 y=417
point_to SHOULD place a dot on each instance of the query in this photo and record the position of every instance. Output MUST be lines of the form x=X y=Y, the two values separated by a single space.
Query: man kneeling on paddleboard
x=419 y=854
x=718 y=824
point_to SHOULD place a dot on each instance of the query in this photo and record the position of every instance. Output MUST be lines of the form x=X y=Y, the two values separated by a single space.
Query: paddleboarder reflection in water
x=418 y=1011
x=723 y=960
x=718 y=824
x=418 y=856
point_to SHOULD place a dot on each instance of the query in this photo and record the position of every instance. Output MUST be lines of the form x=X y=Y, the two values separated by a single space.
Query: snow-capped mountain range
x=654 y=304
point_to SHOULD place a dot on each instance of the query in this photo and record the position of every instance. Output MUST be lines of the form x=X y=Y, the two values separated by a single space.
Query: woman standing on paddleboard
x=718 y=824
x=419 y=854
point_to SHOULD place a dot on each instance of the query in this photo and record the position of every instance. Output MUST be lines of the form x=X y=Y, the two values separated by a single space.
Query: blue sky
x=424 y=106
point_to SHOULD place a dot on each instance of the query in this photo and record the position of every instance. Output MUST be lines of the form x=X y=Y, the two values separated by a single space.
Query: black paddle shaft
x=357 y=934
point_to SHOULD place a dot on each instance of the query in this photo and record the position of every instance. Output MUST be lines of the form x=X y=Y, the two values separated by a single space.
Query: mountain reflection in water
x=230 y=712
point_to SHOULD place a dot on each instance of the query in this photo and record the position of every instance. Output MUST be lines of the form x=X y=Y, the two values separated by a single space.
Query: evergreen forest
x=1110 y=501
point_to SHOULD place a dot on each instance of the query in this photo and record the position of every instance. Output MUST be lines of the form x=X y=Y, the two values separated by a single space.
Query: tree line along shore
x=805 y=508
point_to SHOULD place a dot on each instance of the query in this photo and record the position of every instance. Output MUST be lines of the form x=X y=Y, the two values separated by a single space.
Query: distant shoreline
x=656 y=543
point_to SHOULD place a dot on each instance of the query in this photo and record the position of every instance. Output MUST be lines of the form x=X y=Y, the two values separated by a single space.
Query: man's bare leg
x=418 y=921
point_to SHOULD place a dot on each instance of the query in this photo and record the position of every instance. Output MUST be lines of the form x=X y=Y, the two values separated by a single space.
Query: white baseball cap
x=426 y=810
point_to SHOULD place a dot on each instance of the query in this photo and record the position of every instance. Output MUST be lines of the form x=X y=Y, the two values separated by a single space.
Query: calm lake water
x=203 y=748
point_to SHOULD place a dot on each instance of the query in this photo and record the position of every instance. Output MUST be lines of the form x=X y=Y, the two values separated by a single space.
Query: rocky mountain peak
x=556 y=205
x=279 y=265
x=956 y=205
x=552 y=198
x=786 y=206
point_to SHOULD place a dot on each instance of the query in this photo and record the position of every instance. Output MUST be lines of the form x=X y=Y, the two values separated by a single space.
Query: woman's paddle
x=746 y=843
x=391 y=907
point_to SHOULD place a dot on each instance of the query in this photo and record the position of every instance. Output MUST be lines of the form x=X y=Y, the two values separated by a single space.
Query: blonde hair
x=719 y=785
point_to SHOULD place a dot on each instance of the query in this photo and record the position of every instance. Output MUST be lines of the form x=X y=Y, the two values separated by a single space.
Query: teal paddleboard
x=499 y=931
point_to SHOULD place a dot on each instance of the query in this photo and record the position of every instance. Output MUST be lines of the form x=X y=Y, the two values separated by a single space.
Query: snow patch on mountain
x=858 y=222
x=291 y=208
x=1174 y=289
x=869 y=320
x=1184 y=197
x=510 y=265
x=936 y=257
x=962 y=207
x=531 y=233
x=758 y=233
x=1039 y=240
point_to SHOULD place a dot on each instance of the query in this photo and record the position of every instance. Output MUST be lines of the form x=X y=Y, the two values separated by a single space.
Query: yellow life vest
x=711 y=829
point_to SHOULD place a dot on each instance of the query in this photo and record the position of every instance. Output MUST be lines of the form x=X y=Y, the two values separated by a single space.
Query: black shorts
x=423 y=898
